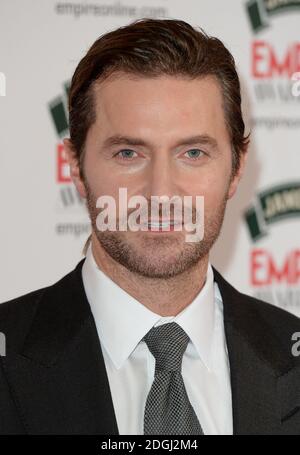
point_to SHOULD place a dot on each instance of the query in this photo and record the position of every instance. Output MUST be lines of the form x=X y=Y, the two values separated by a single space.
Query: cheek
x=104 y=178
x=213 y=189
x=99 y=179
x=213 y=199
x=215 y=202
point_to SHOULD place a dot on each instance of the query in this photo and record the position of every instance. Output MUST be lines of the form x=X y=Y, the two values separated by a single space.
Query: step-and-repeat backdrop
x=44 y=224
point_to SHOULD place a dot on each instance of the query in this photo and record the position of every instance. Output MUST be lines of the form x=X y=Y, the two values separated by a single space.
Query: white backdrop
x=43 y=224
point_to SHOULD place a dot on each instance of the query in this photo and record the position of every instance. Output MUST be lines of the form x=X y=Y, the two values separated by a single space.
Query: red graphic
x=62 y=166
x=266 y=63
x=265 y=271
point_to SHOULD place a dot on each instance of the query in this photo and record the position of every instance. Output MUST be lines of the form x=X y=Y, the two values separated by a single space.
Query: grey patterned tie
x=168 y=410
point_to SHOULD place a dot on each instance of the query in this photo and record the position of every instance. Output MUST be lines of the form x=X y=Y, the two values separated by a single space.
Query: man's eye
x=125 y=154
x=194 y=153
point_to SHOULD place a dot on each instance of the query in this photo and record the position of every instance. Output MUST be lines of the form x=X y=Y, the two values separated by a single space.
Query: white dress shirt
x=122 y=321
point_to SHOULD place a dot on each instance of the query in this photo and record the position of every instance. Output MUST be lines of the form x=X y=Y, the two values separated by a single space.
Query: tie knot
x=167 y=343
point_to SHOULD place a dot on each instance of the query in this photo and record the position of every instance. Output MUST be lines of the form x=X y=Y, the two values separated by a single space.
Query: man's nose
x=161 y=177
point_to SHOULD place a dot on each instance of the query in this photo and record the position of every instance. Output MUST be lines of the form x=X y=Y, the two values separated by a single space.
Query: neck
x=166 y=297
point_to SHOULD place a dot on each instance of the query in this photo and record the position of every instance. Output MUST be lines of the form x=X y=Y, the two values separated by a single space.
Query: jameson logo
x=260 y=11
x=273 y=205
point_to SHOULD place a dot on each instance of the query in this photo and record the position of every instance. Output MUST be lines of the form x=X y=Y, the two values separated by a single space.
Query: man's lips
x=161 y=225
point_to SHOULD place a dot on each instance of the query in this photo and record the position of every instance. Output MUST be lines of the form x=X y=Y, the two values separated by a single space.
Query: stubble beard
x=153 y=255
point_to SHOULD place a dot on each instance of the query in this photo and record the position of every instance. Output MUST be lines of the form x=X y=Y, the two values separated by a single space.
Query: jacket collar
x=265 y=393
x=263 y=387
x=60 y=313
x=62 y=350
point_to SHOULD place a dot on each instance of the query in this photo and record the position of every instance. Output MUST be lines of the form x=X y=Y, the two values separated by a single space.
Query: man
x=144 y=336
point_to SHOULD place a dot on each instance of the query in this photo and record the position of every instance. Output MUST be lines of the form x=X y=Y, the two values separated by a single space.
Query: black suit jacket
x=53 y=378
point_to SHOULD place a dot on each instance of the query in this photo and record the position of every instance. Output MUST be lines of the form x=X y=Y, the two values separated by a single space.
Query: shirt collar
x=122 y=321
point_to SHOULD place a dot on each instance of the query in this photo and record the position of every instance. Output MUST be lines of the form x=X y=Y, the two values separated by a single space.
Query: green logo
x=273 y=205
x=58 y=112
x=260 y=11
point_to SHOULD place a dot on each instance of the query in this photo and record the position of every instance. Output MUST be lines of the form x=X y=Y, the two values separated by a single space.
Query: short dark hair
x=150 y=48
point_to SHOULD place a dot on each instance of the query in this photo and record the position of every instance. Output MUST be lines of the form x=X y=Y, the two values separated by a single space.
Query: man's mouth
x=163 y=226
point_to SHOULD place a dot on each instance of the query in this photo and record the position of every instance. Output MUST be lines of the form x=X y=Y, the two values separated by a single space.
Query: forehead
x=164 y=104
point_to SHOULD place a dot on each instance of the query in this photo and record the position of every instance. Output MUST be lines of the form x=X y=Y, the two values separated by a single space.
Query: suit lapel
x=261 y=379
x=59 y=378
x=59 y=382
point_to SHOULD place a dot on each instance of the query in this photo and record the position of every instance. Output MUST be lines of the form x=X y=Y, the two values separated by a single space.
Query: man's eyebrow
x=121 y=140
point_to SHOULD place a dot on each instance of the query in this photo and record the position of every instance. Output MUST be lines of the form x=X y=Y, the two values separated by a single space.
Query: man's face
x=162 y=113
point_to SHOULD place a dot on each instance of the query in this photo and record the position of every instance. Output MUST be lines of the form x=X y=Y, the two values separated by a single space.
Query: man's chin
x=154 y=269
x=151 y=255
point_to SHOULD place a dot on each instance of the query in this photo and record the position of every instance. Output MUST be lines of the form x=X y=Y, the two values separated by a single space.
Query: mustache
x=156 y=214
x=156 y=208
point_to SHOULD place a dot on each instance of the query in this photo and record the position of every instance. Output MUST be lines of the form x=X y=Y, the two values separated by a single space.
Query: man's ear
x=235 y=180
x=74 y=167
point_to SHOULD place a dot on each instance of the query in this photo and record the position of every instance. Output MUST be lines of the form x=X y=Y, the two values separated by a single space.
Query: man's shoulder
x=17 y=314
x=244 y=303
x=265 y=325
x=34 y=295
x=20 y=305
x=277 y=318
x=26 y=300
